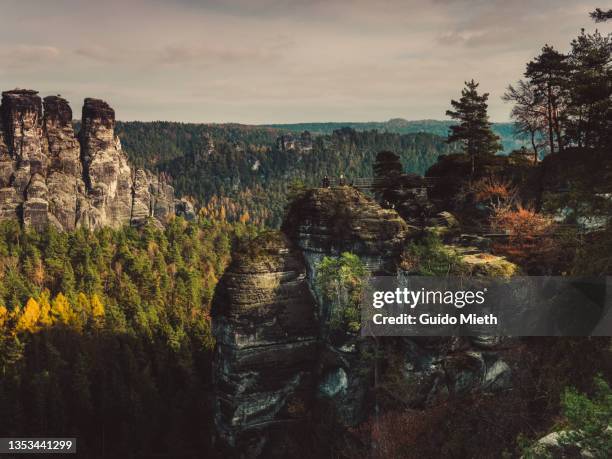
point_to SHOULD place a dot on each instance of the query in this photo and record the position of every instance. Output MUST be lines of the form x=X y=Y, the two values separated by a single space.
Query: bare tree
x=529 y=113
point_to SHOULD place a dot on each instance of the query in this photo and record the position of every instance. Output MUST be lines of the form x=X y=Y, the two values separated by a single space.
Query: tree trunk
x=549 y=115
x=557 y=128
x=535 y=148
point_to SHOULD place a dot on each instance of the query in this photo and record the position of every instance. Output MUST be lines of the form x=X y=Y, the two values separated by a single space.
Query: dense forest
x=511 y=140
x=245 y=176
x=152 y=143
x=105 y=335
x=240 y=171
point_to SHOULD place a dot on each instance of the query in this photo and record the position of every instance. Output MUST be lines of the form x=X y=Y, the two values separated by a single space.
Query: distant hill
x=242 y=171
x=401 y=126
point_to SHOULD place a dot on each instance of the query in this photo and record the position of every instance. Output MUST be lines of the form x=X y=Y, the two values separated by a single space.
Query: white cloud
x=278 y=60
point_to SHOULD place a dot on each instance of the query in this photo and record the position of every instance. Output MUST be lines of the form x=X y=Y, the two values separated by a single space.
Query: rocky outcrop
x=48 y=176
x=266 y=347
x=277 y=351
x=329 y=221
x=291 y=142
x=153 y=197
x=65 y=185
x=106 y=172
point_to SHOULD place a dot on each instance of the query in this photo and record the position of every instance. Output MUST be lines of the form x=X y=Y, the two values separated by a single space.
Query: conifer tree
x=589 y=99
x=548 y=73
x=600 y=15
x=387 y=172
x=474 y=129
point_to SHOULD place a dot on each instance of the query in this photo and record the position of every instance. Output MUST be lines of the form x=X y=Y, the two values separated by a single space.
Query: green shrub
x=589 y=419
x=340 y=280
x=430 y=257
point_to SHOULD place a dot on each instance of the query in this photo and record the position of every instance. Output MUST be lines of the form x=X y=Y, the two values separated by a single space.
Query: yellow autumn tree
x=4 y=318
x=97 y=311
x=45 y=319
x=83 y=307
x=61 y=311
x=28 y=319
x=245 y=217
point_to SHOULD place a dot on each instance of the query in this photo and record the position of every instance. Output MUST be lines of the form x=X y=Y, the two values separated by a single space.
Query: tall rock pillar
x=106 y=171
x=22 y=126
x=65 y=174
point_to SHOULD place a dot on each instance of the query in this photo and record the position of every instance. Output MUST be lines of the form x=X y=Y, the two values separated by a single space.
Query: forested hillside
x=240 y=173
x=105 y=335
x=505 y=131
x=149 y=143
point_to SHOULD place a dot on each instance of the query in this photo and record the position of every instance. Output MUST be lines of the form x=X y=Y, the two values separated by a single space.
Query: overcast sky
x=264 y=61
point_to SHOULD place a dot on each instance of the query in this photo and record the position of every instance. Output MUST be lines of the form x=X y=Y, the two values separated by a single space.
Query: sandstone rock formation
x=275 y=346
x=266 y=346
x=49 y=176
x=329 y=221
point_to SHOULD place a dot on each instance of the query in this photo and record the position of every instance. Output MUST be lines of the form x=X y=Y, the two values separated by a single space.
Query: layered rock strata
x=329 y=221
x=266 y=347
x=49 y=176
x=273 y=333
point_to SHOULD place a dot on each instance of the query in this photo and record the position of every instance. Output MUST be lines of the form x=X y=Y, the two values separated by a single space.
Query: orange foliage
x=531 y=237
x=522 y=225
x=495 y=191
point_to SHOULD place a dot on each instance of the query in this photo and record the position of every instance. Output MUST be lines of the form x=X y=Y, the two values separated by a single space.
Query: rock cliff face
x=266 y=346
x=277 y=362
x=48 y=176
x=329 y=221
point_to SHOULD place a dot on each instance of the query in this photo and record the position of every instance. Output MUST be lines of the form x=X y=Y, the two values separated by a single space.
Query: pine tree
x=387 y=172
x=548 y=73
x=387 y=165
x=600 y=15
x=589 y=100
x=474 y=129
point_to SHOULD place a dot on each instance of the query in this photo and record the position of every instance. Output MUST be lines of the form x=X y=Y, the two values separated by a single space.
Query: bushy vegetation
x=341 y=281
x=430 y=257
x=589 y=420
x=106 y=336
x=585 y=429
